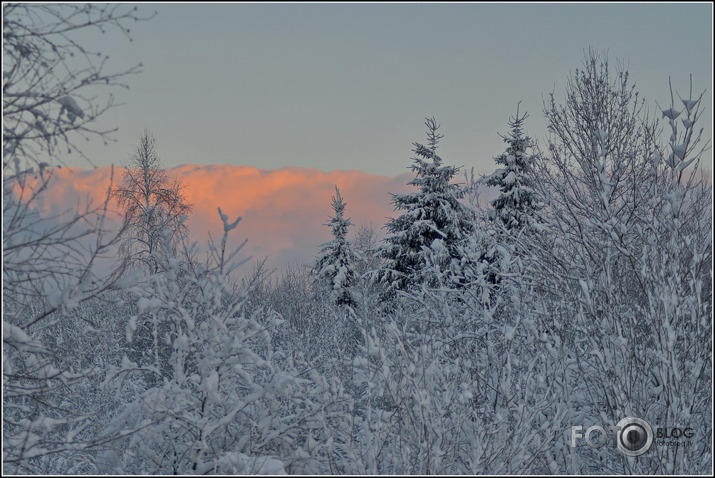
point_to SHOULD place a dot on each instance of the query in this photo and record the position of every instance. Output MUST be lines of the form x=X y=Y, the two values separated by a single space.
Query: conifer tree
x=336 y=267
x=516 y=204
x=513 y=211
x=425 y=240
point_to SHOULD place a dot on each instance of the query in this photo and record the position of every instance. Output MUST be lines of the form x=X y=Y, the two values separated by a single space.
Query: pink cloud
x=283 y=210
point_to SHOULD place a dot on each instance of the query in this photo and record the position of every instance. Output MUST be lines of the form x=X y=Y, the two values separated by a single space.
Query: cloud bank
x=284 y=211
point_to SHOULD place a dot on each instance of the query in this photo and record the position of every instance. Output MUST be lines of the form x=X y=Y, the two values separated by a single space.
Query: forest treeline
x=470 y=341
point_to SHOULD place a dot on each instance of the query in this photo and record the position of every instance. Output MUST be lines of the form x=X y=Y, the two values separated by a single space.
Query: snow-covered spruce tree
x=335 y=269
x=515 y=206
x=51 y=86
x=335 y=336
x=513 y=212
x=434 y=223
x=622 y=268
x=153 y=205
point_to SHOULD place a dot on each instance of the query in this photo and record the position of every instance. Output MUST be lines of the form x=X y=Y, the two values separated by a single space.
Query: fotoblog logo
x=632 y=436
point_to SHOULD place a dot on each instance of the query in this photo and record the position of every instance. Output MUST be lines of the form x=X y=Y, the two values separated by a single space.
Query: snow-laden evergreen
x=424 y=241
x=515 y=206
x=335 y=268
x=514 y=212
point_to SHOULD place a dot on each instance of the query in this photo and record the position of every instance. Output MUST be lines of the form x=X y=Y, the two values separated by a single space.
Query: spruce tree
x=335 y=268
x=425 y=240
x=515 y=206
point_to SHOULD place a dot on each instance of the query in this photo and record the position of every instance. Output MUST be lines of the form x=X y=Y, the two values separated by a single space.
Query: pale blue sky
x=347 y=86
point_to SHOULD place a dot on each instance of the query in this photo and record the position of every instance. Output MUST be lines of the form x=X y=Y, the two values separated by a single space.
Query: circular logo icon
x=635 y=436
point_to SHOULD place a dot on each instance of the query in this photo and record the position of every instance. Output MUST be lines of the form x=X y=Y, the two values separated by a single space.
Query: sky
x=347 y=86
x=262 y=109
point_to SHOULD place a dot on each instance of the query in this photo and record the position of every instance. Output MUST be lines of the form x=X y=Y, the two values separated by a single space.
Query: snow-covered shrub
x=226 y=398
x=625 y=263
x=49 y=104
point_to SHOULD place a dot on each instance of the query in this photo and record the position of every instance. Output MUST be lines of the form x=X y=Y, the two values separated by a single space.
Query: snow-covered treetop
x=516 y=202
x=335 y=266
x=433 y=216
